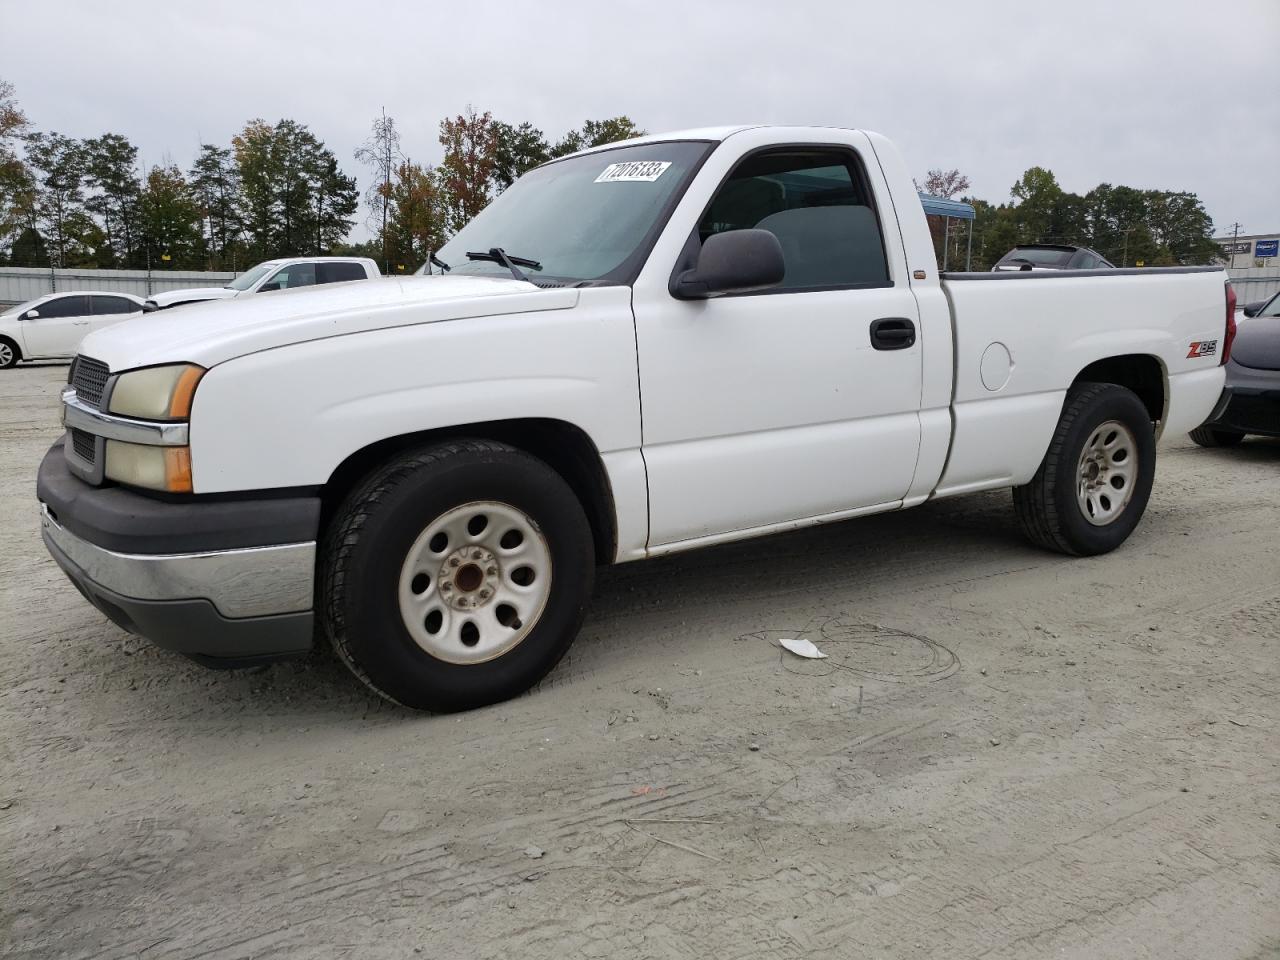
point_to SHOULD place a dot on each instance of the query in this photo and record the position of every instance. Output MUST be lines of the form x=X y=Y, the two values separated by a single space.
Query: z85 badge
x=1202 y=348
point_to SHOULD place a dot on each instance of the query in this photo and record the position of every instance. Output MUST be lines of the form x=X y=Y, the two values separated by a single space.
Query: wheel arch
x=1142 y=373
x=563 y=446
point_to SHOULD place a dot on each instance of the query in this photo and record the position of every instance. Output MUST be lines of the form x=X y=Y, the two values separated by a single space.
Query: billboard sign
x=1266 y=248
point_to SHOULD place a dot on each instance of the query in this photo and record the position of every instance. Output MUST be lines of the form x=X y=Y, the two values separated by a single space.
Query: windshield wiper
x=498 y=255
x=437 y=262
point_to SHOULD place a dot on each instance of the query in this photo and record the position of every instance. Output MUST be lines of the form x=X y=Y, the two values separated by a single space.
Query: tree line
x=1127 y=225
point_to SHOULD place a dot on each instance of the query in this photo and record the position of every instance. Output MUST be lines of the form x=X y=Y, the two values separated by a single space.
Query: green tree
x=469 y=143
x=1180 y=224
x=335 y=195
x=171 y=220
x=516 y=150
x=28 y=249
x=296 y=199
x=596 y=133
x=17 y=189
x=258 y=170
x=216 y=185
x=1036 y=197
x=59 y=166
x=110 y=170
x=419 y=213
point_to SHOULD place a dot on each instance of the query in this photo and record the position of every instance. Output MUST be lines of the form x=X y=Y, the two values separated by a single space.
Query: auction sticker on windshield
x=637 y=171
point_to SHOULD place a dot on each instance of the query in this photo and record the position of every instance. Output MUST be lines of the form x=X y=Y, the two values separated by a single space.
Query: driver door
x=57 y=331
x=785 y=405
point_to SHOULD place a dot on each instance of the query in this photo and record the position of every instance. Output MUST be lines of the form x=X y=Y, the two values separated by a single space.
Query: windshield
x=580 y=219
x=249 y=277
x=1271 y=308
x=1039 y=256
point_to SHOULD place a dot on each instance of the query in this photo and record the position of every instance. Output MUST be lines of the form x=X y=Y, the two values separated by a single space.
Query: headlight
x=156 y=393
x=155 y=468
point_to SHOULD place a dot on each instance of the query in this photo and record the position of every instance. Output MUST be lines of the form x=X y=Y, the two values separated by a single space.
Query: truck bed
x=1021 y=338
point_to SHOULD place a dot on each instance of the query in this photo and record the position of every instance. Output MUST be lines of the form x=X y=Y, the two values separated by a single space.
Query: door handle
x=893 y=333
x=81 y=323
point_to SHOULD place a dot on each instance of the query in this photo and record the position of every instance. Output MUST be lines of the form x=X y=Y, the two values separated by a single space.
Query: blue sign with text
x=1266 y=248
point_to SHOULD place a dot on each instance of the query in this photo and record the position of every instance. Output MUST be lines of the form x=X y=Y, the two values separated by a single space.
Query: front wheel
x=457 y=575
x=1094 y=482
x=9 y=354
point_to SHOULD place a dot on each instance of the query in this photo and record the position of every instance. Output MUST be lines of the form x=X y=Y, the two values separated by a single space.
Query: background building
x=1253 y=261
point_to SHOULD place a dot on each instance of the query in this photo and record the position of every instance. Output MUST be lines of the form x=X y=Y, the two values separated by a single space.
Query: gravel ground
x=1010 y=754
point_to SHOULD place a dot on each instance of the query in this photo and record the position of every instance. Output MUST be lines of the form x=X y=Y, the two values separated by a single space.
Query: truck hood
x=217 y=331
x=166 y=298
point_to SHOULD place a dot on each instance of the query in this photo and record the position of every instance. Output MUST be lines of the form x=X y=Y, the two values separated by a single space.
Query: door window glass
x=338 y=272
x=294 y=275
x=105 y=306
x=74 y=306
x=816 y=203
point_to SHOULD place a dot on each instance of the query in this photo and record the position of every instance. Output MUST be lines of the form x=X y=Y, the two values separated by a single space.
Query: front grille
x=89 y=377
x=84 y=445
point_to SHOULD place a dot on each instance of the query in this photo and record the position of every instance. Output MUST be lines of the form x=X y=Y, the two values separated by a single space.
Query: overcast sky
x=1170 y=94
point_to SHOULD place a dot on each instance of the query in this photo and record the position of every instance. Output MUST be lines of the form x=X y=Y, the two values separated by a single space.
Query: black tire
x=368 y=541
x=11 y=356
x=1207 y=436
x=1048 y=510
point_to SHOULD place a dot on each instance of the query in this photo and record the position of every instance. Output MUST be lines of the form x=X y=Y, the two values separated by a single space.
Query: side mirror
x=32 y=314
x=737 y=261
x=1251 y=309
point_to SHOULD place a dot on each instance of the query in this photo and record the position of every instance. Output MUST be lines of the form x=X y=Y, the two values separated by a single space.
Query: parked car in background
x=1052 y=256
x=52 y=326
x=1250 y=401
x=273 y=275
x=696 y=338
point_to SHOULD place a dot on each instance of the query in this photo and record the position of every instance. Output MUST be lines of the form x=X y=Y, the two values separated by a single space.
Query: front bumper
x=191 y=576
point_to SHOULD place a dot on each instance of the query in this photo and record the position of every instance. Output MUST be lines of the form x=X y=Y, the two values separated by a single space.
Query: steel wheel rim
x=6 y=354
x=1107 y=472
x=475 y=582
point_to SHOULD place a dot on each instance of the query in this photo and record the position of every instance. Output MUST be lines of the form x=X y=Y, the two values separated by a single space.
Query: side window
x=816 y=202
x=338 y=272
x=76 y=306
x=294 y=275
x=103 y=306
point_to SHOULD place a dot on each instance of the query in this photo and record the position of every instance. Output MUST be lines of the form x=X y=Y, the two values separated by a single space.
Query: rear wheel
x=1207 y=436
x=9 y=353
x=1094 y=482
x=457 y=575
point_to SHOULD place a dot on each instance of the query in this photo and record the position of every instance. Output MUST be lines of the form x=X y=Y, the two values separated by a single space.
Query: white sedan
x=51 y=327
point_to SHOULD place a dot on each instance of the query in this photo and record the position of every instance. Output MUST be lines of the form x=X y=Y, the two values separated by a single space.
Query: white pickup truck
x=272 y=275
x=644 y=348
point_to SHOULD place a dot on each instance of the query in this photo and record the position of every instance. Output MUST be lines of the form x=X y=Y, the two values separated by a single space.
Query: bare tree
x=381 y=153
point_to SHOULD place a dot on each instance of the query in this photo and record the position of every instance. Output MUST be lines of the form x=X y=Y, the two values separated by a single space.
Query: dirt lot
x=1009 y=754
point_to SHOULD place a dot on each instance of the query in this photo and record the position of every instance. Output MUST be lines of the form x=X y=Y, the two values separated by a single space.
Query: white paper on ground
x=803 y=648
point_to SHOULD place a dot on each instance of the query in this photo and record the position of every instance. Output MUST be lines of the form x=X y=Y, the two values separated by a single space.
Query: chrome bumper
x=240 y=583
